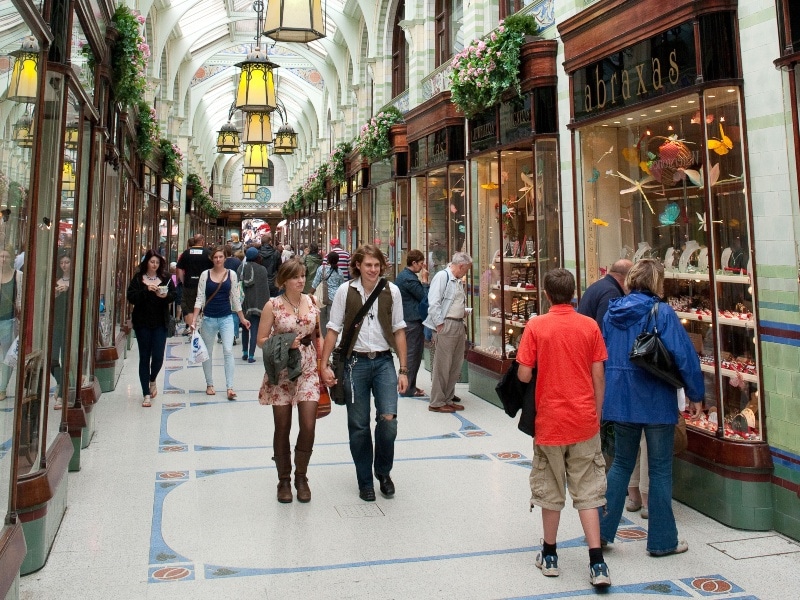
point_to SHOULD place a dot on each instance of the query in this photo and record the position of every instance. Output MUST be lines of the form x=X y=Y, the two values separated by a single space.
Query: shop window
x=268 y=175
x=789 y=26
x=399 y=53
x=509 y=7
x=668 y=182
x=519 y=241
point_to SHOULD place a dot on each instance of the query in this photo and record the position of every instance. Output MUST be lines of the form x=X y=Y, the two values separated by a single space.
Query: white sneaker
x=598 y=575
x=548 y=565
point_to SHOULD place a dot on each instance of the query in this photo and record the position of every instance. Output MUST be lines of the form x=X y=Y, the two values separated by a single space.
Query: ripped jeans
x=364 y=378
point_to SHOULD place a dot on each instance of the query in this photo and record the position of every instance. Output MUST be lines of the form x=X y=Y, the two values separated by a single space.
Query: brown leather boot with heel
x=301 y=458
x=283 y=463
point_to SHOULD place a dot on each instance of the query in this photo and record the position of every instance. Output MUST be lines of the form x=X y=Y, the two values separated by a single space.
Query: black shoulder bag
x=340 y=355
x=650 y=353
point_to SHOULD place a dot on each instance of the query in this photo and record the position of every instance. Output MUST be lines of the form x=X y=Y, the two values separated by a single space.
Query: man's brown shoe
x=446 y=408
x=456 y=406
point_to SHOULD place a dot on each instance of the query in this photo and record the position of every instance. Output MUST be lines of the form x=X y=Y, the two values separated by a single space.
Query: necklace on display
x=295 y=307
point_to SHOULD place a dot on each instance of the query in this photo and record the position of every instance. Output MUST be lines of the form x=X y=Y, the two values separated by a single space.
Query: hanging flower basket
x=373 y=141
x=171 y=160
x=147 y=130
x=129 y=58
x=488 y=67
x=337 y=166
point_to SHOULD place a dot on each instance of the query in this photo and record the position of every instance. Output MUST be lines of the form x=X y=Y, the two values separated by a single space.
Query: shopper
x=328 y=275
x=369 y=367
x=568 y=352
x=312 y=260
x=232 y=263
x=292 y=317
x=217 y=292
x=637 y=402
x=413 y=292
x=256 y=294
x=447 y=303
x=10 y=306
x=60 y=305
x=194 y=260
x=151 y=291
x=594 y=301
x=344 y=257
x=270 y=260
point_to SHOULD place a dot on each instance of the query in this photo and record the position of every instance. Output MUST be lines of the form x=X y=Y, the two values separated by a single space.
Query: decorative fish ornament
x=595 y=176
x=600 y=222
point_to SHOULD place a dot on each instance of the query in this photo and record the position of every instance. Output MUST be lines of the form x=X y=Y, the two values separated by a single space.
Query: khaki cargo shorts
x=578 y=467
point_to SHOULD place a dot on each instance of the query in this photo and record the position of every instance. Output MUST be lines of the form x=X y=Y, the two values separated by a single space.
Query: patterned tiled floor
x=178 y=501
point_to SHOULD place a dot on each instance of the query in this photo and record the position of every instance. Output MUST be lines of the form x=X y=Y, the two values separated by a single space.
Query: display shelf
x=752 y=378
x=515 y=288
x=740 y=279
x=514 y=322
x=734 y=322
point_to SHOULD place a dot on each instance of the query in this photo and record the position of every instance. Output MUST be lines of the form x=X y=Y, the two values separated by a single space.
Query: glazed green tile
x=783 y=382
x=756 y=495
x=762 y=518
x=789 y=357
x=770 y=351
x=769 y=380
x=777 y=407
x=776 y=432
x=792 y=406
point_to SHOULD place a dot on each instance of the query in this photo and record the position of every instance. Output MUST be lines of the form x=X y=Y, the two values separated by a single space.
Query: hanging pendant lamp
x=256 y=89
x=257 y=127
x=285 y=140
x=294 y=20
x=256 y=156
x=228 y=139
x=24 y=82
x=23 y=132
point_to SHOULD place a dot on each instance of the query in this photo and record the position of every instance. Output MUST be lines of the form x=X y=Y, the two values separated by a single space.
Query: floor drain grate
x=359 y=511
x=770 y=545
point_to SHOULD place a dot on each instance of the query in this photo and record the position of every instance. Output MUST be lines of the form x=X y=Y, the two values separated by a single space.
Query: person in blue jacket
x=413 y=291
x=637 y=401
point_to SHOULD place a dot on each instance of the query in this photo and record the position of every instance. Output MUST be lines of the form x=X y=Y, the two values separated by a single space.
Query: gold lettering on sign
x=642 y=89
x=587 y=99
x=613 y=87
x=674 y=70
x=657 y=85
x=626 y=86
x=599 y=85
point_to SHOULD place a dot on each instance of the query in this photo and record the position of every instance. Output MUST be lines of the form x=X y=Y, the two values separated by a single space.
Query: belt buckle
x=371 y=355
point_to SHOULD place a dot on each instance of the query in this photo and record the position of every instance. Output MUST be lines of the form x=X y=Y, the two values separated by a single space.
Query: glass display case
x=442 y=215
x=519 y=240
x=668 y=182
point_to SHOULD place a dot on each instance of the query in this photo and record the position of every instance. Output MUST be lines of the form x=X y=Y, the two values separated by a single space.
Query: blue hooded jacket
x=632 y=394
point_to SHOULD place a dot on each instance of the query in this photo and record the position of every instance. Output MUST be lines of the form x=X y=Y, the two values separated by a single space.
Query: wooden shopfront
x=660 y=170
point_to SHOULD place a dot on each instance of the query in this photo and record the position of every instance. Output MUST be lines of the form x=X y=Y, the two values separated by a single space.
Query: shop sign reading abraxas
x=646 y=70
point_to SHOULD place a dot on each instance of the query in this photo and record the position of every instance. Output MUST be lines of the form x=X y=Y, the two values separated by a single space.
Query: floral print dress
x=306 y=387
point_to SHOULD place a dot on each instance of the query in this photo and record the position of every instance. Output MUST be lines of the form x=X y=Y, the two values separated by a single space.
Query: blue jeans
x=364 y=377
x=249 y=336
x=662 y=533
x=151 y=342
x=415 y=343
x=235 y=321
x=208 y=331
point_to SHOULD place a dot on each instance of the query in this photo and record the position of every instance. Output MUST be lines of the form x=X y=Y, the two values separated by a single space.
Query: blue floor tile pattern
x=186 y=495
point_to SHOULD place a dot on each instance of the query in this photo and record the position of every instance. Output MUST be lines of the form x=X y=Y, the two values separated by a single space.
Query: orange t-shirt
x=563 y=345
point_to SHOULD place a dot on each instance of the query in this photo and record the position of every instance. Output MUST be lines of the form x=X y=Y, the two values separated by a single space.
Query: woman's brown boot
x=284 y=466
x=301 y=458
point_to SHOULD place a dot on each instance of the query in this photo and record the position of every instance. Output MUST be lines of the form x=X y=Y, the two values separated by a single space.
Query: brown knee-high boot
x=301 y=458
x=284 y=464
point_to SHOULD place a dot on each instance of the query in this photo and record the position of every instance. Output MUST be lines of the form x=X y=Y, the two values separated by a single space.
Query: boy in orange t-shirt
x=568 y=350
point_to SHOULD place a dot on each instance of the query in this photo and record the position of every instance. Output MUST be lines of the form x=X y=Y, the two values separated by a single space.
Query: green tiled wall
x=740 y=504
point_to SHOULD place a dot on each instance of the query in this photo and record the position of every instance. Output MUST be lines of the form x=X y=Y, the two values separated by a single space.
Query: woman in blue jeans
x=636 y=401
x=218 y=297
x=151 y=291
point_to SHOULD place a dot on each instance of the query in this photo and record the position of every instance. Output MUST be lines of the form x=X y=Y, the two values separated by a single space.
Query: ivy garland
x=172 y=159
x=129 y=58
x=147 y=130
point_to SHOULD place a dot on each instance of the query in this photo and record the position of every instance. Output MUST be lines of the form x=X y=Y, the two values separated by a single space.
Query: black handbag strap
x=360 y=315
x=652 y=315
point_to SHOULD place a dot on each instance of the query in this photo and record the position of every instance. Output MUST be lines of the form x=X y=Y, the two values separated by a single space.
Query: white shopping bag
x=199 y=352
x=13 y=352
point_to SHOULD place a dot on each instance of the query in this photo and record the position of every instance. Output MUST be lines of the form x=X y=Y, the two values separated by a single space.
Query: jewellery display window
x=668 y=182
x=442 y=215
x=519 y=241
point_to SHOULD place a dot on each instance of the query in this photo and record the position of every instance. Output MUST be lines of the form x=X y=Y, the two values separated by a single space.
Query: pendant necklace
x=296 y=309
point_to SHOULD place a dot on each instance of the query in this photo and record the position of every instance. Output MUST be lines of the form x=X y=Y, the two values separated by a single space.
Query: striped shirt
x=344 y=262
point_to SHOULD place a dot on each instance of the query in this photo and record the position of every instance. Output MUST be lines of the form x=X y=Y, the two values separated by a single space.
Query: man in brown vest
x=369 y=366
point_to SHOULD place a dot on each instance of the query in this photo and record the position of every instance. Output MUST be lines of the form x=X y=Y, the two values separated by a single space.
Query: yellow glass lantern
x=257 y=127
x=285 y=140
x=68 y=175
x=256 y=156
x=24 y=82
x=294 y=20
x=256 y=89
x=228 y=139
x=23 y=132
x=71 y=135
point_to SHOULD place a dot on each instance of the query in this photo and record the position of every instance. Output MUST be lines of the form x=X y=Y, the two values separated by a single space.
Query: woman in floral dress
x=292 y=312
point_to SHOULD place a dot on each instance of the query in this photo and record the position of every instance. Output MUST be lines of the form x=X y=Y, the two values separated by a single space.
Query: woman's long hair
x=162 y=263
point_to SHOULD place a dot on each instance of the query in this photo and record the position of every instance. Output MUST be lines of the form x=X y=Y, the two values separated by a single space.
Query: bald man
x=594 y=301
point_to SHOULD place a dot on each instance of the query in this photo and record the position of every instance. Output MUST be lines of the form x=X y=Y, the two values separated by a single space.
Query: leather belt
x=372 y=355
x=453 y=319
